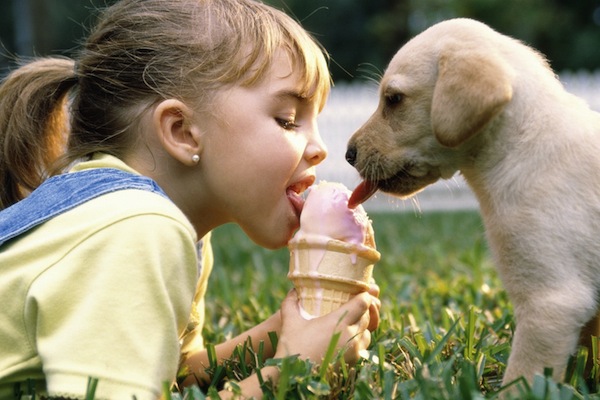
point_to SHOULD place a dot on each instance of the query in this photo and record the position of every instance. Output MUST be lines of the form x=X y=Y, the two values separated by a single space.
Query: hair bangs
x=278 y=31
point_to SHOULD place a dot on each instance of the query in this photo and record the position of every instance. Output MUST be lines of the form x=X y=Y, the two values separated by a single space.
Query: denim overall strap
x=61 y=193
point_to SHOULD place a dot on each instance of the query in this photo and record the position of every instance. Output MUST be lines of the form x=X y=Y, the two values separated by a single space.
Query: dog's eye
x=394 y=99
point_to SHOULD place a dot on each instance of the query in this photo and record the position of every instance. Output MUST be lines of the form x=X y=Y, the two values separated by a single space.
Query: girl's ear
x=179 y=135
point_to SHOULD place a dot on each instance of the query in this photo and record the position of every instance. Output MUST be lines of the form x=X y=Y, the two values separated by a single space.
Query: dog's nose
x=351 y=155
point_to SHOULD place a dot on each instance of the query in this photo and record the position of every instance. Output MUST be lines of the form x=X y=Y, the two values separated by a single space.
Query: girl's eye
x=287 y=124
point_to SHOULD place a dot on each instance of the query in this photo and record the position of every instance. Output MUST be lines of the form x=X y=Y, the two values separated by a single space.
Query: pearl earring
x=195 y=158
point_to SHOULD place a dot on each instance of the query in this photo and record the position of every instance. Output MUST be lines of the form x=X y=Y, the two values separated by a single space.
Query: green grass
x=445 y=329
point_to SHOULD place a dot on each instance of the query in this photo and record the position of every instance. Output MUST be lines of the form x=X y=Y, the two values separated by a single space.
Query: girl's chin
x=272 y=244
x=276 y=228
x=274 y=238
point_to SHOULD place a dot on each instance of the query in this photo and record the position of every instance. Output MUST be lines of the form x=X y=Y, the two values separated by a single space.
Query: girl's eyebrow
x=287 y=93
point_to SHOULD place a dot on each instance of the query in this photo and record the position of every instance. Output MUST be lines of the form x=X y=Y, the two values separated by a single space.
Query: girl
x=182 y=115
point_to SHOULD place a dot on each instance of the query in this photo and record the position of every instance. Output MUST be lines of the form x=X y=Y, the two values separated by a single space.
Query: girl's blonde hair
x=141 y=52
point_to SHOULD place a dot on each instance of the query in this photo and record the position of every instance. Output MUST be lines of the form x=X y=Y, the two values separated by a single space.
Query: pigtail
x=33 y=124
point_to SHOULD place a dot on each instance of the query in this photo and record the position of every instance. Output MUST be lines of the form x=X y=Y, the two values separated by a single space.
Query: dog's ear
x=471 y=89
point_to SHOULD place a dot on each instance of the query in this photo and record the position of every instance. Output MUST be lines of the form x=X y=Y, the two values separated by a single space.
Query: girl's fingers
x=360 y=341
x=360 y=312
x=365 y=339
x=374 y=289
x=292 y=297
x=374 y=314
x=355 y=308
x=290 y=307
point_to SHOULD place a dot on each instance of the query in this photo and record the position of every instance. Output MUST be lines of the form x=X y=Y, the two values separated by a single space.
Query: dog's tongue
x=361 y=193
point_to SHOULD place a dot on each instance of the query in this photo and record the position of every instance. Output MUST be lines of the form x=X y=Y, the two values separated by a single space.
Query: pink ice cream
x=326 y=216
x=333 y=252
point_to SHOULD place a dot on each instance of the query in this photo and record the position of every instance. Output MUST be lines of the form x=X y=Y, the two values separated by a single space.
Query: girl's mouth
x=294 y=193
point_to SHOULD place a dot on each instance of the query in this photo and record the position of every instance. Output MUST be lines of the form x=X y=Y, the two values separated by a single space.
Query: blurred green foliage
x=360 y=35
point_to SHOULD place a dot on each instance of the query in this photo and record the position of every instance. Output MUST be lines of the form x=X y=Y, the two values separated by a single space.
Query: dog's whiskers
x=370 y=72
x=416 y=205
x=372 y=171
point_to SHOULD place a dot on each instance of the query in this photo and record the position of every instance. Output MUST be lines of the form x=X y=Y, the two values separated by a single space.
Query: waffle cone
x=327 y=274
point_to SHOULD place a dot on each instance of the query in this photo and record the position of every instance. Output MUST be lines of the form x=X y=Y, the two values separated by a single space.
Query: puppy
x=463 y=97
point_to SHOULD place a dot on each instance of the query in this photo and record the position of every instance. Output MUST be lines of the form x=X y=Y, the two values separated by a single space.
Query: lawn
x=446 y=321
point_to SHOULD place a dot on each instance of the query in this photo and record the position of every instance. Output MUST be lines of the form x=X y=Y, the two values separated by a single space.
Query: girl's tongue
x=296 y=200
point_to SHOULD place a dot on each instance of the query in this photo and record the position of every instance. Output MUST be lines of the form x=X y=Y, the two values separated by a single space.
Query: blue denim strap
x=61 y=193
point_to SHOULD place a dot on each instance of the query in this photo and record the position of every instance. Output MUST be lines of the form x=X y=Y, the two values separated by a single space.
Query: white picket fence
x=350 y=105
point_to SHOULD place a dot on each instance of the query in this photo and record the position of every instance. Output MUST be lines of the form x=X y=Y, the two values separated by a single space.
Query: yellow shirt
x=104 y=290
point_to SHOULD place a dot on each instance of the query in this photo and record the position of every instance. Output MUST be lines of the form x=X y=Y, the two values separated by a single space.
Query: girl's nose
x=316 y=150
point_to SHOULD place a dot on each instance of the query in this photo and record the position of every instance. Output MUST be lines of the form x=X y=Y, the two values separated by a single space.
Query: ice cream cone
x=327 y=274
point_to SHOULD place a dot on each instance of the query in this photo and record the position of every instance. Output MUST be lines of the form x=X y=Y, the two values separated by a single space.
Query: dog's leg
x=547 y=332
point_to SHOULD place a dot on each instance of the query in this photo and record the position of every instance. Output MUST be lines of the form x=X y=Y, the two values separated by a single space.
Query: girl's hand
x=374 y=308
x=311 y=338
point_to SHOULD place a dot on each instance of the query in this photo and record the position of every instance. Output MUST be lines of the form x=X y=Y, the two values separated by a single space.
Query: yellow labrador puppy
x=462 y=97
